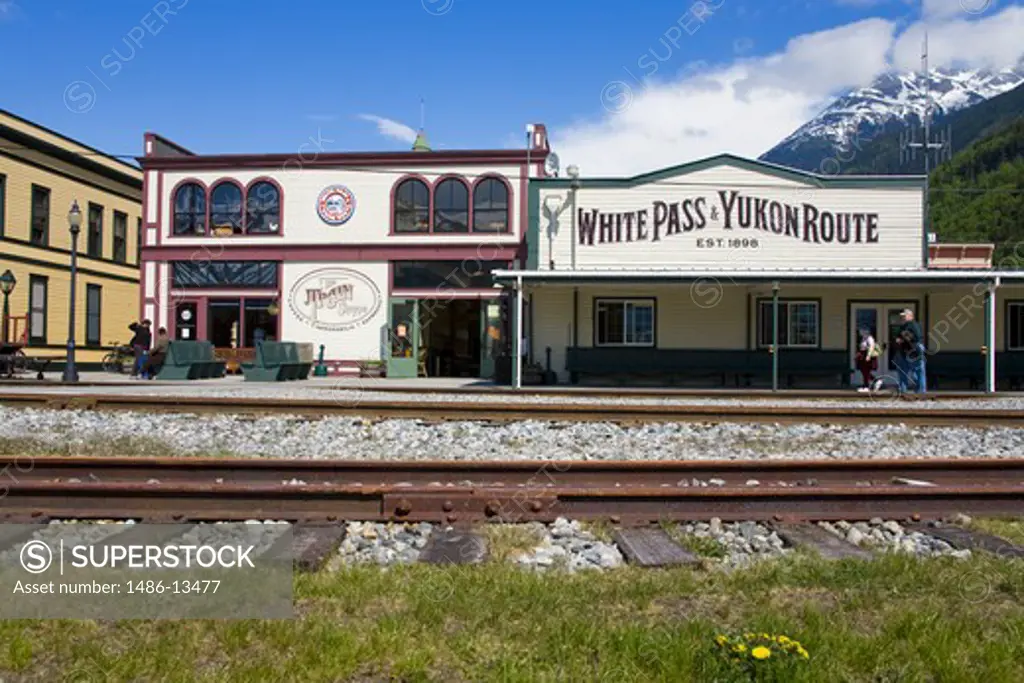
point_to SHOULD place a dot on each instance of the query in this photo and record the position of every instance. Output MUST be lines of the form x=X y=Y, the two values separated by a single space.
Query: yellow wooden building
x=41 y=174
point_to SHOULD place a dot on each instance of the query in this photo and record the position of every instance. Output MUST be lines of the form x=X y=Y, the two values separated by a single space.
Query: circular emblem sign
x=336 y=204
x=335 y=299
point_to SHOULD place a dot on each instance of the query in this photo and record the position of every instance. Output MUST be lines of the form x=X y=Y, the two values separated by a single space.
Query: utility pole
x=943 y=146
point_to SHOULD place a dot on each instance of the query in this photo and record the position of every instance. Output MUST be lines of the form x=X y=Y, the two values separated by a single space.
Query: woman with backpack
x=867 y=358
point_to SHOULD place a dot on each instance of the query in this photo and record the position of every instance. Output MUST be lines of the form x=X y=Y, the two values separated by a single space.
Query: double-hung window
x=799 y=324
x=120 y=237
x=624 y=322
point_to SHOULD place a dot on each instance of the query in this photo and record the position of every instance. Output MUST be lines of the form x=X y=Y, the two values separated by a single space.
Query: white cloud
x=390 y=128
x=748 y=106
x=940 y=9
x=7 y=8
x=993 y=41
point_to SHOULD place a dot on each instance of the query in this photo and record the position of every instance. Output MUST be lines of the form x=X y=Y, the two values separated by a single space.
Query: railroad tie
x=815 y=538
x=964 y=539
x=150 y=533
x=313 y=544
x=12 y=534
x=652 y=547
x=452 y=546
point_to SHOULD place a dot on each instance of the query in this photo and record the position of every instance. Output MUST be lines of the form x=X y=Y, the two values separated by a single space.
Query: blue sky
x=237 y=76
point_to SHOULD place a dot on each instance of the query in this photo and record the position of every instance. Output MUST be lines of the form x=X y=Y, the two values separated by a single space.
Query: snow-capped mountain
x=891 y=100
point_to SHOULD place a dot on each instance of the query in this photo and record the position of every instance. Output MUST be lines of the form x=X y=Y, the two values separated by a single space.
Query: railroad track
x=629 y=493
x=349 y=404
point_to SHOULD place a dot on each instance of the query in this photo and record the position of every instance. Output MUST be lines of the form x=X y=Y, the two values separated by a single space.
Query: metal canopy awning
x=850 y=276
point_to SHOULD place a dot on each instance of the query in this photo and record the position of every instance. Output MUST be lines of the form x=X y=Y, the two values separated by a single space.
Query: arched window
x=451 y=206
x=412 y=206
x=490 y=206
x=263 y=208
x=226 y=207
x=190 y=210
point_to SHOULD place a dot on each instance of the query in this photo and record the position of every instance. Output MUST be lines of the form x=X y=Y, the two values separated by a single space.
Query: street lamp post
x=7 y=283
x=74 y=225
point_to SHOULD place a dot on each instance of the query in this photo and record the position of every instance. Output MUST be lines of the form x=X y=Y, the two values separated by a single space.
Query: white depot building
x=741 y=273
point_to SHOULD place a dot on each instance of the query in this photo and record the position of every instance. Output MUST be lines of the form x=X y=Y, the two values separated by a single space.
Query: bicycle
x=114 y=362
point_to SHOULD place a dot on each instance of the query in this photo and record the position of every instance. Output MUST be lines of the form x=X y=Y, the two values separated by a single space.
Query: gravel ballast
x=38 y=431
x=349 y=396
x=890 y=536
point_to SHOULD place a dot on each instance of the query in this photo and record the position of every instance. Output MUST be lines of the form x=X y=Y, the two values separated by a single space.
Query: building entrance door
x=882 y=320
x=403 y=338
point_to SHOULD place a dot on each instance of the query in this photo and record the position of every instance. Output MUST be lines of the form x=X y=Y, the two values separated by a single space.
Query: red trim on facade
x=446 y=293
x=160 y=207
x=208 y=199
x=430 y=204
x=509 y=203
x=280 y=208
x=469 y=199
x=320 y=253
x=209 y=207
x=172 y=200
x=500 y=157
x=181 y=294
x=471 y=193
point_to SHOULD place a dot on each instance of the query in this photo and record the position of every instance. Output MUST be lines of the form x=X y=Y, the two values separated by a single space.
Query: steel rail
x=884 y=413
x=581 y=392
x=205 y=502
x=521 y=474
x=463 y=492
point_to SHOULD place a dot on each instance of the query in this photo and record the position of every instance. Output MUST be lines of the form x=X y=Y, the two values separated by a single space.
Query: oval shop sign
x=336 y=204
x=335 y=299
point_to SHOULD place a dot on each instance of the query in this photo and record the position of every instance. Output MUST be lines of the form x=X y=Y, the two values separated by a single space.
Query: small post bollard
x=320 y=370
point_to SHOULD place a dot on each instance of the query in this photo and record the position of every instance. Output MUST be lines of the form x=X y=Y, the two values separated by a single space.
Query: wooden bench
x=956 y=365
x=191 y=360
x=277 y=362
x=14 y=361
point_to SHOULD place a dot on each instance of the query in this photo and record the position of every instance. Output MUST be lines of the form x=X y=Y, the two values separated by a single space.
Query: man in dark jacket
x=141 y=340
x=911 y=353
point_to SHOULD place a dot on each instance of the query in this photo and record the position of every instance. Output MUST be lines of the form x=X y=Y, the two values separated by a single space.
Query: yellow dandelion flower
x=761 y=652
x=721 y=639
x=740 y=648
x=783 y=640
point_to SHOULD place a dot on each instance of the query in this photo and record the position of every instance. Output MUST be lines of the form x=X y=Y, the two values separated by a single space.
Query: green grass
x=702 y=546
x=893 y=619
x=1011 y=530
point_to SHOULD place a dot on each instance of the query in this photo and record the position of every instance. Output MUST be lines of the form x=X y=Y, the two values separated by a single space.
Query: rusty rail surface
x=452 y=492
x=346 y=404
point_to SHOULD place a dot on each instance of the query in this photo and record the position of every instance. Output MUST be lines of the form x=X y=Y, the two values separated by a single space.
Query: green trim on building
x=810 y=179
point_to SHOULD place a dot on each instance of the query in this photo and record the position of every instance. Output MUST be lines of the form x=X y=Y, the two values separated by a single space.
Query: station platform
x=436 y=385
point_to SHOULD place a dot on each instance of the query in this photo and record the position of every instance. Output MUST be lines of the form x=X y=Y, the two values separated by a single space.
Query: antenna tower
x=942 y=146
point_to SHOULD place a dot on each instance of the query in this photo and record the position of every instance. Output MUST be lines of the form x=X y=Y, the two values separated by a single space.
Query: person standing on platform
x=912 y=350
x=140 y=344
x=867 y=358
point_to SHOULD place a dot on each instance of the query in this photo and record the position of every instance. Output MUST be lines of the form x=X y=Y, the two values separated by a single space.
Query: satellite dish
x=551 y=165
